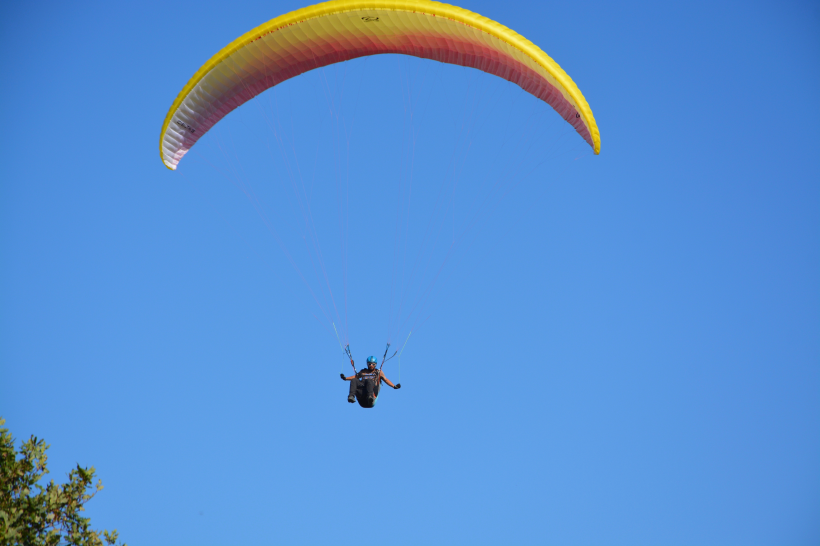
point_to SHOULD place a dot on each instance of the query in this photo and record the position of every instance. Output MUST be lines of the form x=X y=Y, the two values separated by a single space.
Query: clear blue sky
x=626 y=353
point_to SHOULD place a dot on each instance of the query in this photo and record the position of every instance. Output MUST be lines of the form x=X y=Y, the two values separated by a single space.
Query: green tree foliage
x=37 y=515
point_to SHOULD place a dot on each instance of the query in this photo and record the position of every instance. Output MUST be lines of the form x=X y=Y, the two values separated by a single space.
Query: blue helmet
x=371 y=359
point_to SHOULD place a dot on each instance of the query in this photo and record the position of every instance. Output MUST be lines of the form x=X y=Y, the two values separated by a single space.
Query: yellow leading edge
x=340 y=30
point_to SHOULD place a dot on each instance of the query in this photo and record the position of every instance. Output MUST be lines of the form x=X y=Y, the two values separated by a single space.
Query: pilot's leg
x=355 y=384
x=369 y=388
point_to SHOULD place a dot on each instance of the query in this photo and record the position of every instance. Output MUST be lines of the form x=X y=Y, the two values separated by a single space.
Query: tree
x=37 y=515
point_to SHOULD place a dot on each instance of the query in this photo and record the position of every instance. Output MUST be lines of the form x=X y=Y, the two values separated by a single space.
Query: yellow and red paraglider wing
x=340 y=30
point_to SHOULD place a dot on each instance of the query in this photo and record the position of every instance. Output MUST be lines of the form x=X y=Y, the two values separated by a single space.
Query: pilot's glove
x=342 y=376
x=398 y=386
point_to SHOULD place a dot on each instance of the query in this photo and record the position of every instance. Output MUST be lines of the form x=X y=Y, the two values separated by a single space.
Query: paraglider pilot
x=364 y=386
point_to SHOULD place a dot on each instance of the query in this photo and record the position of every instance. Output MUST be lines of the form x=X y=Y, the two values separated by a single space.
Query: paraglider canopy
x=341 y=30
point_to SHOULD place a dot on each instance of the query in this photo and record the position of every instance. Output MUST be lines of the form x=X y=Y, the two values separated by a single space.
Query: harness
x=367 y=374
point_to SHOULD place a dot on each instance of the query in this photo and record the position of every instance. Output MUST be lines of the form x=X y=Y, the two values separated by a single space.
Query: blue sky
x=626 y=352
